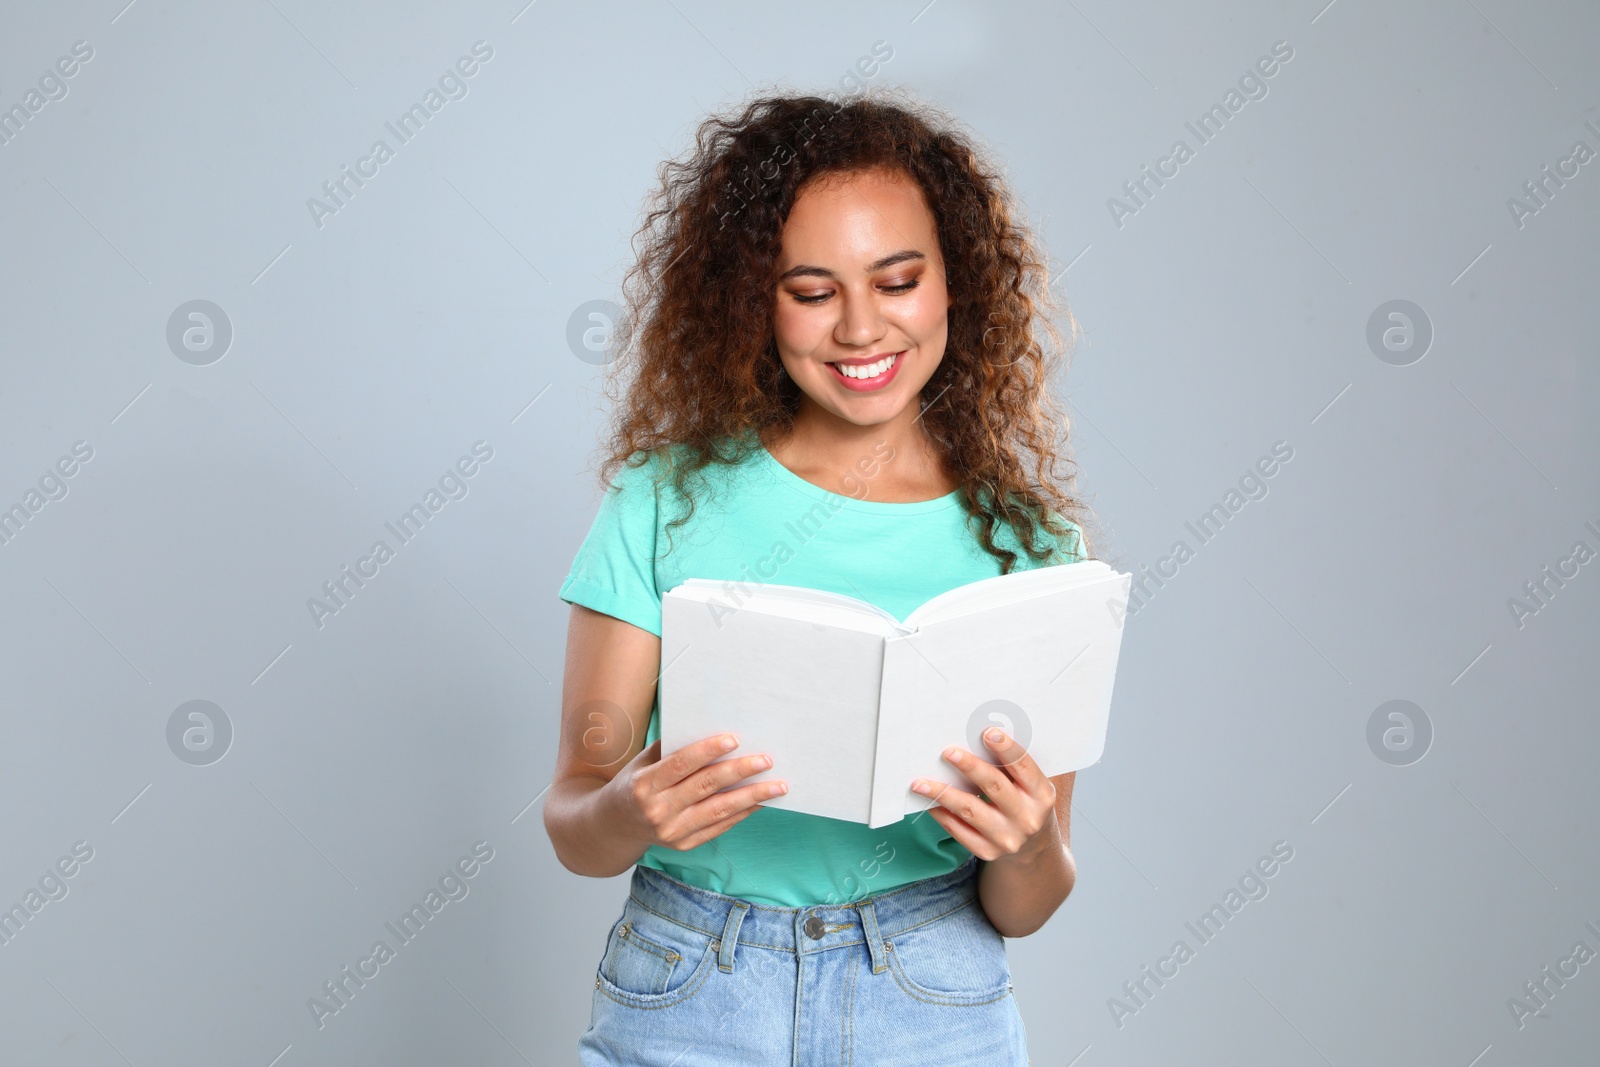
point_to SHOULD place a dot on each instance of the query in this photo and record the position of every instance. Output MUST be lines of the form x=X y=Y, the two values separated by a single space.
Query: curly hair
x=696 y=375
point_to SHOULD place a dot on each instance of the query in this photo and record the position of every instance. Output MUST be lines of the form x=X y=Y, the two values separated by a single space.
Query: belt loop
x=869 y=927
x=730 y=935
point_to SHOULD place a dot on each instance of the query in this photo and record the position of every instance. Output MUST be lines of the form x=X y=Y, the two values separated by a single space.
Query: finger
x=966 y=806
x=967 y=836
x=713 y=779
x=675 y=766
x=991 y=780
x=1015 y=759
x=716 y=829
x=721 y=806
x=1016 y=763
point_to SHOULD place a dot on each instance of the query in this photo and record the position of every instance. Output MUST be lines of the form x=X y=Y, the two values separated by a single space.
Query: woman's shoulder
x=674 y=469
x=647 y=465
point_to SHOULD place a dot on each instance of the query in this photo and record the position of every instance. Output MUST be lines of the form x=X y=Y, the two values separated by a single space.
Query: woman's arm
x=608 y=688
x=1020 y=892
x=612 y=797
x=1022 y=833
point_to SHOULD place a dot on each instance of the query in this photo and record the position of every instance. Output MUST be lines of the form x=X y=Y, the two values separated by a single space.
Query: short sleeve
x=614 y=570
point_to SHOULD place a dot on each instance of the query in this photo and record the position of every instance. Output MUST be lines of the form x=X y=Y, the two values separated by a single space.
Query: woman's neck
x=893 y=462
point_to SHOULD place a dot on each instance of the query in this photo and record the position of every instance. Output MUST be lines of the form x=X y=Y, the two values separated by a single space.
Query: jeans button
x=815 y=928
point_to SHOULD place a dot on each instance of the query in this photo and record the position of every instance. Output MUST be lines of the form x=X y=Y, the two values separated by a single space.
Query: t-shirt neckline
x=850 y=503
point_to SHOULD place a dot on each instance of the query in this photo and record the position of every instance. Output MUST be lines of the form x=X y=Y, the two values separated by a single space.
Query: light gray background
x=431 y=312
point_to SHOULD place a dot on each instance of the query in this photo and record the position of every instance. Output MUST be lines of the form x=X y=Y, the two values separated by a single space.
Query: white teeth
x=869 y=370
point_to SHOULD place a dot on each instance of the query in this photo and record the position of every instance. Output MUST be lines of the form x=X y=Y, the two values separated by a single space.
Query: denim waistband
x=730 y=921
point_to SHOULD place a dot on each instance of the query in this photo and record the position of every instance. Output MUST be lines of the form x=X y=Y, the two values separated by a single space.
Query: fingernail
x=727 y=743
x=994 y=734
x=777 y=789
x=763 y=762
x=921 y=787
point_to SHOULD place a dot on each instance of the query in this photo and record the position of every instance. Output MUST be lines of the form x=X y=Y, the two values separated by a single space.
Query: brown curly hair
x=696 y=373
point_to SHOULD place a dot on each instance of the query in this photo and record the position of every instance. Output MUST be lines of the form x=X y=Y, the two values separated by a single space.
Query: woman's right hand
x=676 y=801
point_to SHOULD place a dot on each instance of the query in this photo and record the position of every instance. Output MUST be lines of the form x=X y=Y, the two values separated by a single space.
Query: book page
x=802 y=692
x=1041 y=669
x=1006 y=588
x=793 y=601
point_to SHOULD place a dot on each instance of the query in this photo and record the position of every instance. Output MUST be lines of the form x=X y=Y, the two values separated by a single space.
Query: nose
x=860 y=321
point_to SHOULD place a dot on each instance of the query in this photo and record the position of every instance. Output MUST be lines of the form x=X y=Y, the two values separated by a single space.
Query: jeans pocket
x=653 y=962
x=959 y=958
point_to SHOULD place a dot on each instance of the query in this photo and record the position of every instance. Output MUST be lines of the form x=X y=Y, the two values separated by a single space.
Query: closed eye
x=895 y=289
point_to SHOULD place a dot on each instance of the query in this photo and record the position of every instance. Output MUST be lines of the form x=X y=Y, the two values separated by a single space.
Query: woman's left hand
x=1021 y=802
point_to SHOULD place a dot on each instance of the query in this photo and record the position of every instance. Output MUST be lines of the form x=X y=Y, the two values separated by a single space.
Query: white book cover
x=853 y=704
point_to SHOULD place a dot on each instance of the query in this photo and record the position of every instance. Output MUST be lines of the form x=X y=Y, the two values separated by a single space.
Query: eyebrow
x=807 y=270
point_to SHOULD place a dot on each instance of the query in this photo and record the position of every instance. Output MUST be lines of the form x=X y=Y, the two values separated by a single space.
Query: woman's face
x=861 y=286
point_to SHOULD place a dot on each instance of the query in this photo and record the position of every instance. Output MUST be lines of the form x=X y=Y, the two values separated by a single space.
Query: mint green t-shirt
x=764 y=523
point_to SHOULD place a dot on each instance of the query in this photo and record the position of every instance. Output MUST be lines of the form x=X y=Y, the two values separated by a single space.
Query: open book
x=853 y=705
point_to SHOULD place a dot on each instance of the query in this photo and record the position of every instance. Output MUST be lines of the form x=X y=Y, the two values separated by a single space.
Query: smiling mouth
x=868 y=374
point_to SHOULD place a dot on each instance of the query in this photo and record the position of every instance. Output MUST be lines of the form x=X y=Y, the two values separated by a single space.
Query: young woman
x=829 y=377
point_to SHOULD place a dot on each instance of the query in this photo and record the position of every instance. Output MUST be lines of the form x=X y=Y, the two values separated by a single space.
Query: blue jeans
x=692 y=978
